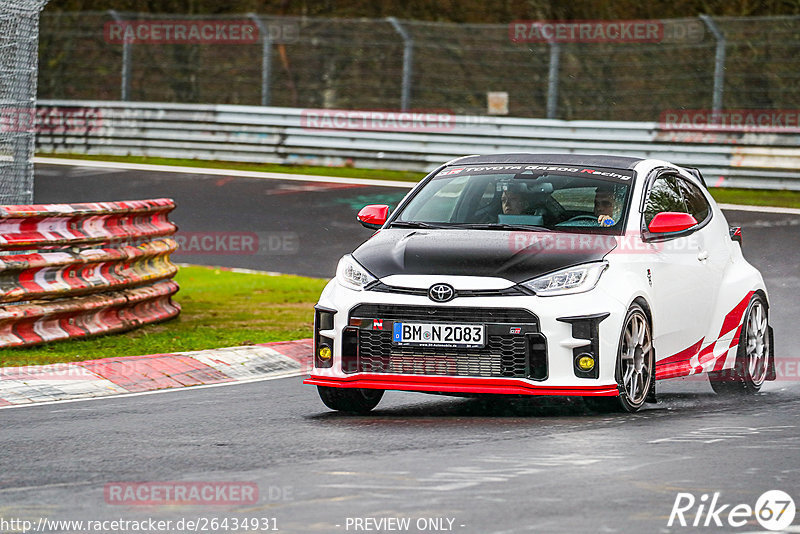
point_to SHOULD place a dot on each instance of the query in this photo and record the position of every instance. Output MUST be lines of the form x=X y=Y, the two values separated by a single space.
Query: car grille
x=500 y=357
x=505 y=355
x=444 y=314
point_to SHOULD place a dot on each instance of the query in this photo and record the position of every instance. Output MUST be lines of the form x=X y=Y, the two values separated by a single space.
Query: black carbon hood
x=516 y=256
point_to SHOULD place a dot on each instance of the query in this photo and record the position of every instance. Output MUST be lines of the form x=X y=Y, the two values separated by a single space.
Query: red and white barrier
x=87 y=269
x=64 y=225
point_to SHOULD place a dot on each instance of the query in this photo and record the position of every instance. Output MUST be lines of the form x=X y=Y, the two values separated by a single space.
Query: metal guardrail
x=98 y=268
x=751 y=159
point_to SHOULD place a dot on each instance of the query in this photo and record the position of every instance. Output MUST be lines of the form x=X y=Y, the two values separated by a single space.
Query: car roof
x=589 y=160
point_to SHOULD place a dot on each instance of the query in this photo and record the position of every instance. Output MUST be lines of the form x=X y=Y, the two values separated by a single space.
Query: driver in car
x=605 y=206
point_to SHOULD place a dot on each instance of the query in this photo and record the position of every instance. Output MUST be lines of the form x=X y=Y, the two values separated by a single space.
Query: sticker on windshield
x=593 y=172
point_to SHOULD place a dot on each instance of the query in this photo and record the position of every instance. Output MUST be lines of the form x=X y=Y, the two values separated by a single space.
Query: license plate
x=439 y=335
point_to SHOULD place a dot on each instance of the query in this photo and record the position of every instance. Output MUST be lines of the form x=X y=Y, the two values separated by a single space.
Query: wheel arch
x=763 y=294
x=642 y=301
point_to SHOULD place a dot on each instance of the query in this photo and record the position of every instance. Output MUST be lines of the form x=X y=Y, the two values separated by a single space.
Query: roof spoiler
x=696 y=173
x=454 y=160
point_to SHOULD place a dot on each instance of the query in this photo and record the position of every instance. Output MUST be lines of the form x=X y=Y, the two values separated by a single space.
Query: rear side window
x=670 y=193
x=695 y=201
x=664 y=195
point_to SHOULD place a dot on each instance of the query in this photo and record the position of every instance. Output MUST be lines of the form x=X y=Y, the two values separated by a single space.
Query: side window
x=664 y=195
x=695 y=201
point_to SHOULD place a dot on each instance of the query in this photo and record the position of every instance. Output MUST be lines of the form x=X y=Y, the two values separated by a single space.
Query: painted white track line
x=113 y=165
x=760 y=209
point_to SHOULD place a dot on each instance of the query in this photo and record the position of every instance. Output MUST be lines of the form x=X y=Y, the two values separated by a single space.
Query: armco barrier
x=84 y=269
x=289 y=136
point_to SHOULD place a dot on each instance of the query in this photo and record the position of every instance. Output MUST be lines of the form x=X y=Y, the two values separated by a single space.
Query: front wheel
x=350 y=399
x=752 y=355
x=634 y=365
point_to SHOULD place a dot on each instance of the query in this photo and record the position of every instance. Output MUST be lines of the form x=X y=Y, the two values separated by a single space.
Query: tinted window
x=695 y=201
x=665 y=195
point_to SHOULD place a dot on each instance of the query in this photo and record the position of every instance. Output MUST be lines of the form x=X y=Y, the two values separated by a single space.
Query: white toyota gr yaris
x=537 y=274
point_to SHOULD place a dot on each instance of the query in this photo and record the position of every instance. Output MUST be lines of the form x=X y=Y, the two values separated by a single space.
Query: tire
x=350 y=399
x=752 y=355
x=635 y=361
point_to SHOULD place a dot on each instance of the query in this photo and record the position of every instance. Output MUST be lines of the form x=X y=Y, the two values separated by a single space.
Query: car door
x=684 y=287
x=713 y=239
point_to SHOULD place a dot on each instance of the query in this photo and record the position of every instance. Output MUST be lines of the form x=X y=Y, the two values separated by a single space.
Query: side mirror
x=373 y=216
x=671 y=221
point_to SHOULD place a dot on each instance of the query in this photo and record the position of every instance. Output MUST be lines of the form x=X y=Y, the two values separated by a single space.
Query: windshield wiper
x=474 y=226
x=505 y=226
x=413 y=224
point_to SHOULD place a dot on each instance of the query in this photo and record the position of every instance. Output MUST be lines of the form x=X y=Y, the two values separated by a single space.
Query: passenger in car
x=515 y=202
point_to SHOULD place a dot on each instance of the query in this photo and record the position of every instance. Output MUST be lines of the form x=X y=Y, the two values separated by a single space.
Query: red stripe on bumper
x=450 y=384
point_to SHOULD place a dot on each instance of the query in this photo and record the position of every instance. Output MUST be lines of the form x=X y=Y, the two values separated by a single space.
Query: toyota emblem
x=441 y=293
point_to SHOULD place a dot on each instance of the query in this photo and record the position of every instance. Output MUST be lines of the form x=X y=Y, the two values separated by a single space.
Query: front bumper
x=458 y=384
x=565 y=326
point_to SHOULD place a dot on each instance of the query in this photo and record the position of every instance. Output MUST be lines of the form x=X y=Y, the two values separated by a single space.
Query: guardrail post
x=266 y=57
x=719 y=63
x=408 y=59
x=125 y=89
x=552 y=80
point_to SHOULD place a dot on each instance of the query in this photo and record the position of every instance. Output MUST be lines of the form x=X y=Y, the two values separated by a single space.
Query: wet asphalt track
x=531 y=465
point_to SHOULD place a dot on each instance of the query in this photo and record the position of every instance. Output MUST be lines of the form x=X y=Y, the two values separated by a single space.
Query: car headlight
x=351 y=274
x=576 y=279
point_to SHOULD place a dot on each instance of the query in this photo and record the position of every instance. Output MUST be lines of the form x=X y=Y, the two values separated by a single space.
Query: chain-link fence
x=19 y=32
x=728 y=63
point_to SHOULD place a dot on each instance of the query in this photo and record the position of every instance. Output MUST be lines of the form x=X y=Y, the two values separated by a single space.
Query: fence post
x=125 y=89
x=552 y=80
x=719 y=63
x=266 y=57
x=408 y=59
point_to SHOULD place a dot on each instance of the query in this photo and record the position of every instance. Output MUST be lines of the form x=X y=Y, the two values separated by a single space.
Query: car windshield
x=522 y=196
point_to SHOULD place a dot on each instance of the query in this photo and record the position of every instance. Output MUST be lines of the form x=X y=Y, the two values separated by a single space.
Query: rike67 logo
x=774 y=510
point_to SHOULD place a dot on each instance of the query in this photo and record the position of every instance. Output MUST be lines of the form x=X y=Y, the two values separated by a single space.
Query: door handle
x=702 y=255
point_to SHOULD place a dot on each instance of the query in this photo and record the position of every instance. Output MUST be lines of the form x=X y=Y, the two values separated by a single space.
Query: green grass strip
x=220 y=309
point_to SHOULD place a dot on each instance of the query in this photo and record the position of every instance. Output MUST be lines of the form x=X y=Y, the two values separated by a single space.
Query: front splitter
x=453 y=384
